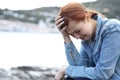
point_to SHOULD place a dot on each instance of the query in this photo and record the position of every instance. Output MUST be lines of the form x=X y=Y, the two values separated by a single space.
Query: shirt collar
x=100 y=22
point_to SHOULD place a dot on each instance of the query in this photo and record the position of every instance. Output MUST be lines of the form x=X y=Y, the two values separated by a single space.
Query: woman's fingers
x=58 y=17
x=58 y=21
x=63 y=29
x=60 y=25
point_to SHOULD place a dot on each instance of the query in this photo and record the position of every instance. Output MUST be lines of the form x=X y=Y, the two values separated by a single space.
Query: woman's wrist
x=67 y=39
x=63 y=70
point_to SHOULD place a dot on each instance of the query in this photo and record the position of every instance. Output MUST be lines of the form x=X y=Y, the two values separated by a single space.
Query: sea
x=33 y=49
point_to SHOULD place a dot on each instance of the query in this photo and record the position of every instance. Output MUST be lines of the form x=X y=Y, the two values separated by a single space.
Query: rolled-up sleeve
x=74 y=57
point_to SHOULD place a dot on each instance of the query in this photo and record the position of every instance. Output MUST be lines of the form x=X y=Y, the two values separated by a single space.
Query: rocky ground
x=28 y=73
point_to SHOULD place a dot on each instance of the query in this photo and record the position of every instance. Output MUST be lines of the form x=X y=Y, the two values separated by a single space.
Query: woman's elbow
x=104 y=74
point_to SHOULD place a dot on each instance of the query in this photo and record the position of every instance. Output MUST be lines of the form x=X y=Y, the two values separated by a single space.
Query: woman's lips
x=82 y=37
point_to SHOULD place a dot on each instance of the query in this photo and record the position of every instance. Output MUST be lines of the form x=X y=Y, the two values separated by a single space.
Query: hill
x=29 y=15
x=44 y=16
x=108 y=7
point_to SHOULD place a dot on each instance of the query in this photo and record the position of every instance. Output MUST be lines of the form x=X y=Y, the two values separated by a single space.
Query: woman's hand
x=59 y=21
x=61 y=73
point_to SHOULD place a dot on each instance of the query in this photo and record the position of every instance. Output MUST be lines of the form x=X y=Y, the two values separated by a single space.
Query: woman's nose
x=76 y=36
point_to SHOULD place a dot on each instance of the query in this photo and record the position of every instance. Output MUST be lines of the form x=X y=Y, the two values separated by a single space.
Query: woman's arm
x=75 y=58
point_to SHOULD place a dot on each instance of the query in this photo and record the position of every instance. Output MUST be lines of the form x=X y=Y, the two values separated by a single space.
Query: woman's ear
x=87 y=16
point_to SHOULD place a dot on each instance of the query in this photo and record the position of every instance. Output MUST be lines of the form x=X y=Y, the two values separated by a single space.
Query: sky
x=31 y=4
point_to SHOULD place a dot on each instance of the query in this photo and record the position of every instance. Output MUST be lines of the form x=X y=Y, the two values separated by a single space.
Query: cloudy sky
x=31 y=4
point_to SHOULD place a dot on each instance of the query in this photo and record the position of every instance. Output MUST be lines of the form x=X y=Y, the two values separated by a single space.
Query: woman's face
x=83 y=30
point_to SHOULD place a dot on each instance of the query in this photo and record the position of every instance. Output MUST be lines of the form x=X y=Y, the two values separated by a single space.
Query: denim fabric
x=99 y=58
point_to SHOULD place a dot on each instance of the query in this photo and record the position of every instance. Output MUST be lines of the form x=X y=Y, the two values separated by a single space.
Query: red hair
x=74 y=11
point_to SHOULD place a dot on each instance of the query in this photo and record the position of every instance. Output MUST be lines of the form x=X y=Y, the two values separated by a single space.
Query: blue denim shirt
x=98 y=59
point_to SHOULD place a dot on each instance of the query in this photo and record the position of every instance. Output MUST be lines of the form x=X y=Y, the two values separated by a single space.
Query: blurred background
x=31 y=48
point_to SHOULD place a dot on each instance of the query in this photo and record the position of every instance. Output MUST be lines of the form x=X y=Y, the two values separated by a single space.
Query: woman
x=99 y=56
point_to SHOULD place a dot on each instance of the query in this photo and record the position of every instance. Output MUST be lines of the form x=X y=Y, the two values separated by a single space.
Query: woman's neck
x=94 y=24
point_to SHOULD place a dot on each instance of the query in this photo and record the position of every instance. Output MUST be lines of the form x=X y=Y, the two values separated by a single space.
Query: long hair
x=76 y=11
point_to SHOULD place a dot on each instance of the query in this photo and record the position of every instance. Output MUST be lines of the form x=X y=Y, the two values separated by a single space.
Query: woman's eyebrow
x=71 y=33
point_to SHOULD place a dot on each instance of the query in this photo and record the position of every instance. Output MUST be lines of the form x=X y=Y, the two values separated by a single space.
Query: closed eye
x=77 y=31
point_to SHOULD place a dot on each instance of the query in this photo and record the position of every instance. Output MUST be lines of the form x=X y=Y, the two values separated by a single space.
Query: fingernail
x=62 y=18
x=63 y=21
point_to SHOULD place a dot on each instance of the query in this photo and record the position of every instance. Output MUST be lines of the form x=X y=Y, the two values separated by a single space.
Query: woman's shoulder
x=112 y=22
x=111 y=25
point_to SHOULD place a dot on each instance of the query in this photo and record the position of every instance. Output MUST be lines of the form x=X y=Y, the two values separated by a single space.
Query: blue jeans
x=78 y=78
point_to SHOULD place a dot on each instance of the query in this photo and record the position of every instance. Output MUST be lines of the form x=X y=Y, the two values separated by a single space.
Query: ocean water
x=32 y=49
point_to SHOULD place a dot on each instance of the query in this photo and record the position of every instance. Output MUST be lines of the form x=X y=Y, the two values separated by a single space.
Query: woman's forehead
x=71 y=26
